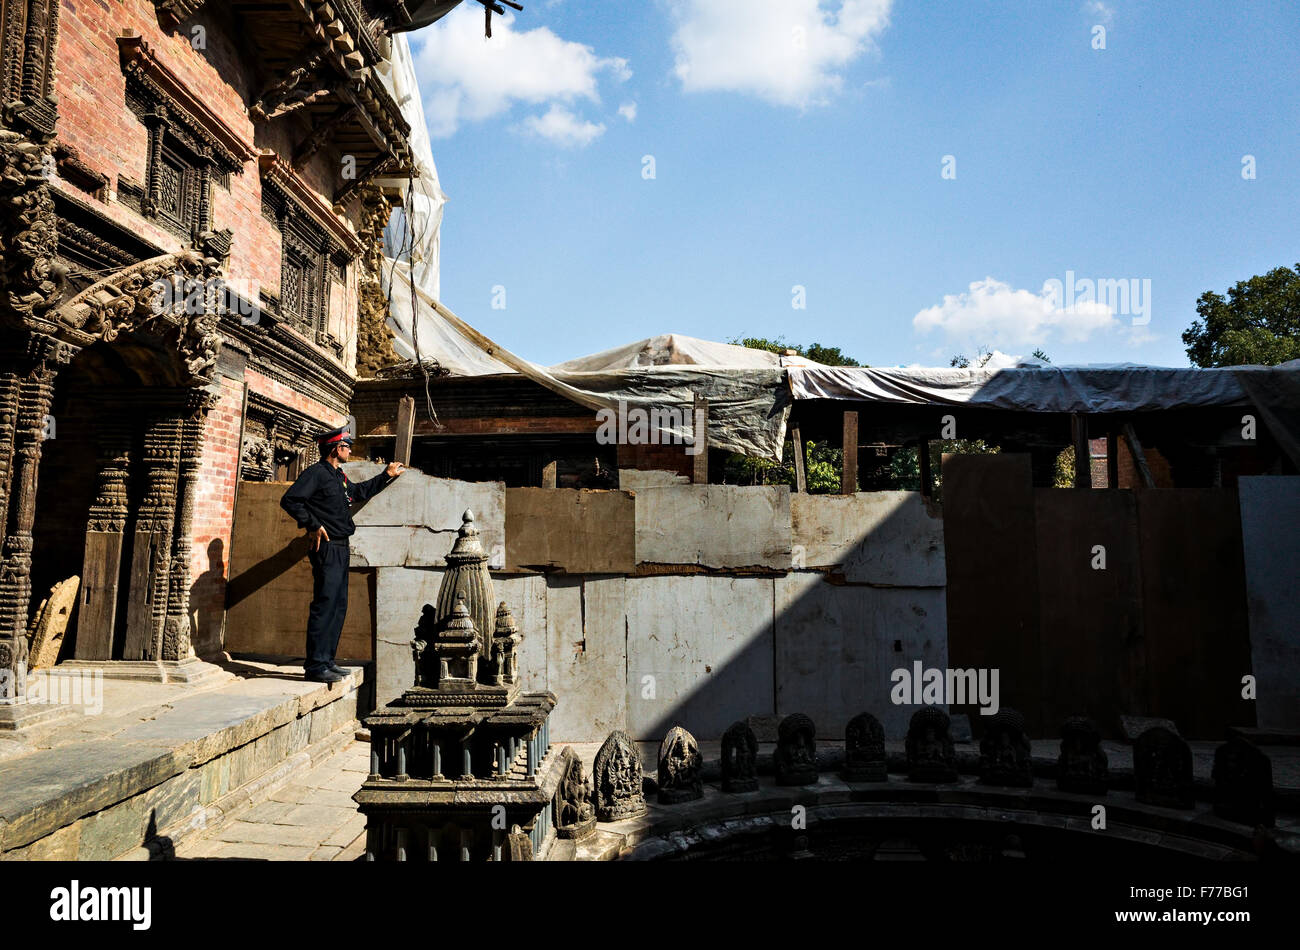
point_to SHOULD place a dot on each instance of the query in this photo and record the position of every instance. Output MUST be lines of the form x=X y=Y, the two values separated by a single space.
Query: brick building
x=192 y=215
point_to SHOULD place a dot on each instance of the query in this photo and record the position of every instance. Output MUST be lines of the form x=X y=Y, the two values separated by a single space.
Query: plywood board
x=569 y=530
x=714 y=526
x=889 y=538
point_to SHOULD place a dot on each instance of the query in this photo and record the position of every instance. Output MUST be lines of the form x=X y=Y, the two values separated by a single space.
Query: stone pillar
x=151 y=548
x=43 y=358
x=105 y=533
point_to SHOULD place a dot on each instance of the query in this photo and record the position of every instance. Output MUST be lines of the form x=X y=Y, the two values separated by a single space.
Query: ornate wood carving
x=301 y=85
x=174 y=12
x=155 y=516
x=31 y=280
x=177 y=627
x=31 y=29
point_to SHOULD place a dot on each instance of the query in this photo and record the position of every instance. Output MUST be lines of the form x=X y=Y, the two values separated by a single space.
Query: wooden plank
x=147 y=549
x=405 y=429
x=800 y=476
x=98 y=610
x=700 y=431
x=1082 y=450
x=1139 y=457
x=849 y=473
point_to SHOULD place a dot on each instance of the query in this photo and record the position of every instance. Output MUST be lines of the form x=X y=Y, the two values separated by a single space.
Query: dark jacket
x=323 y=495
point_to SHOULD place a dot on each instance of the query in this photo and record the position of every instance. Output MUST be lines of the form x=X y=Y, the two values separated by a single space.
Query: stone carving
x=505 y=641
x=1005 y=751
x=739 y=759
x=680 y=767
x=467 y=575
x=455 y=647
x=1243 y=783
x=52 y=624
x=796 y=751
x=574 y=815
x=519 y=845
x=1162 y=769
x=864 y=750
x=619 y=780
x=1082 y=766
x=930 y=753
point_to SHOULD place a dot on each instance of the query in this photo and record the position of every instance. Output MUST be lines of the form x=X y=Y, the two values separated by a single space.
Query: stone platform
x=162 y=762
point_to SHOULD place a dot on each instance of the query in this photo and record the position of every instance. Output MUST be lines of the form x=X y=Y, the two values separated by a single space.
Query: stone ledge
x=190 y=754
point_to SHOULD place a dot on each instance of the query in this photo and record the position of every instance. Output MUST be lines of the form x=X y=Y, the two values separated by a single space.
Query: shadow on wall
x=208 y=602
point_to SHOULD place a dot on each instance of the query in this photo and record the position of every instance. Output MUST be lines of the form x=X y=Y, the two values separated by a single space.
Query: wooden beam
x=927 y=474
x=548 y=474
x=1139 y=457
x=405 y=429
x=700 y=443
x=1112 y=460
x=849 y=474
x=800 y=476
x=1082 y=450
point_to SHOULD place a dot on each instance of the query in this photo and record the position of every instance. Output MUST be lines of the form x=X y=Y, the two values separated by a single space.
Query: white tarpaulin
x=672 y=349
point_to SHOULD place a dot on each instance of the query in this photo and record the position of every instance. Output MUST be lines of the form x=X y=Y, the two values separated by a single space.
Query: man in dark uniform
x=321 y=501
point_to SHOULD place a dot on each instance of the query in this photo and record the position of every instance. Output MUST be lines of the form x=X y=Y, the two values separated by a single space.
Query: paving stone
x=297 y=794
x=254 y=832
x=324 y=818
x=248 y=851
x=348 y=831
x=270 y=811
x=325 y=853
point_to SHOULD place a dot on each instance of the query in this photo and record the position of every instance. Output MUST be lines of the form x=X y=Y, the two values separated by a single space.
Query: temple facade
x=191 y=219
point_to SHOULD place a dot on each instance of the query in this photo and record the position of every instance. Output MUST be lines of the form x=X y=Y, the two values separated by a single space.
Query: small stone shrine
x=864 y=750
x=739 y=759
x=680 y=768
x=1243 y=783
x=575 y=816
x=618 y=779
x=463 y=741
x=930 y=753
x=796 y=751
x=1082 y=766
x=1005 y=751
x=1162 y=769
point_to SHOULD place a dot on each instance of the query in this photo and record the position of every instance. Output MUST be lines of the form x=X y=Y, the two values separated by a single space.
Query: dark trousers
x=329 y=604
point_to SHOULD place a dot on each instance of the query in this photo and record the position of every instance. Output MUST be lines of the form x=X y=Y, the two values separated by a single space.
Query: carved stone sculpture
x=505 y=641
x=519 y=845
x=739 y=759
x=680 y=767
x=930 y=753
x=1243 y=783
x=1082 y=766
x=455 y=648
x=864 y=750
x=574 y=815
x=467 y=574
x=1162 y=769
x=796 y=751
x=1005 y=751
x=618 y=778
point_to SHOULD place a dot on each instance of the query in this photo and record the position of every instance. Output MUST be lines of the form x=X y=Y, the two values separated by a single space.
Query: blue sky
x=802 y=144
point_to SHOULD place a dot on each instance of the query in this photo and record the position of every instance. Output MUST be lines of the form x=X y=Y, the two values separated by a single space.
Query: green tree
x=822 y=468
x=826 y=355
x=1258 y=322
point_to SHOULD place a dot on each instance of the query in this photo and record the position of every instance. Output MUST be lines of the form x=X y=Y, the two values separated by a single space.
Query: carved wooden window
x=305 y=267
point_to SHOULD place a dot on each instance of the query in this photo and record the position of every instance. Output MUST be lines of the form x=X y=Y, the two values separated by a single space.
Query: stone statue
x=417 y=652
x=796 y=751
x=739 y=759
x=519 y=845
x=1162 y=769
x=1005 y=751
x=680 y=765
x=1082 y=766
x=619 y=792
x=574 y=816
x=864 y=750
x=505 y=641
x=930 y=753
x=1243 y=783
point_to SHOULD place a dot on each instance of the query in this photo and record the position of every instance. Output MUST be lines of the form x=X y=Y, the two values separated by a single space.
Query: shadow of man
x=207 y=602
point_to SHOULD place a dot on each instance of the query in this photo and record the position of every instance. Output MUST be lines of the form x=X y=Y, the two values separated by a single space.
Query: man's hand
x=394 y=469
x=317 y=536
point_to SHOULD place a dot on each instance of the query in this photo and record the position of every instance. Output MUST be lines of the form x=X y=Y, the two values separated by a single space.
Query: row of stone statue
x=1162 y=766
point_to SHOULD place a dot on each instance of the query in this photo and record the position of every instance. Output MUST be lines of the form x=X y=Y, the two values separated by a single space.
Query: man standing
x=321 y=501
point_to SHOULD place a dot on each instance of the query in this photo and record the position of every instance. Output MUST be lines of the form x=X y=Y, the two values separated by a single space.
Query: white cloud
x=1104 y=14
x=561 y=127
x=628 y=111
x=993 y=313
x=467 y=78
x=788 y=52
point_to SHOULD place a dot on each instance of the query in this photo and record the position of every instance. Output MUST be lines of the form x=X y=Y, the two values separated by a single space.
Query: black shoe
x=322 y=676
x=335 y=668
